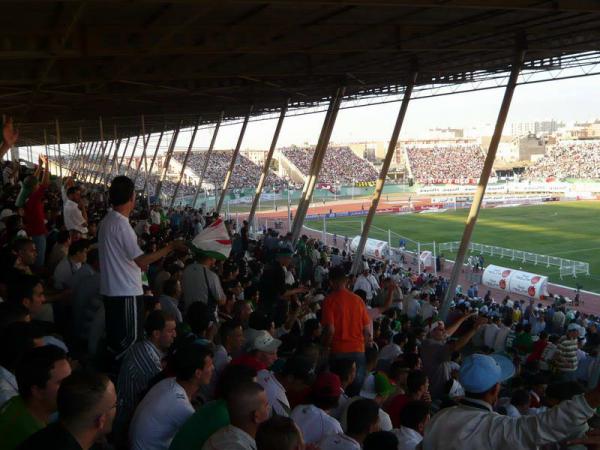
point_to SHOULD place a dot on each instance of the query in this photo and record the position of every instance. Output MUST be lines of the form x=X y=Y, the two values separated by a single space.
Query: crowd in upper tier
x=340 y=166
x=567 y=160
x=456 y=164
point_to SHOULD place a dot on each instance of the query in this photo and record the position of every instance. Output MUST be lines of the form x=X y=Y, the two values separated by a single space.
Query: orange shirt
x=347 y=313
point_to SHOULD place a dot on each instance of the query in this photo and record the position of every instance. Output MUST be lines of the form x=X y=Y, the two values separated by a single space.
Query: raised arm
x=9 y=137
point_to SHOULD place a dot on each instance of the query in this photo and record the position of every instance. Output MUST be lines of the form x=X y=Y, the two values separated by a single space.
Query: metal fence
x=567 y=267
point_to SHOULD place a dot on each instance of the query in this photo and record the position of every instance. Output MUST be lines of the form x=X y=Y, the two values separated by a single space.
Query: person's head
x=279 y=433
x=232 y=336
x=64 y=238
x=40 y=373
x=241 y=311
x=28 y=291
x=248 y=406
x=122 y=192
x=193 y=362
x=338 y=278
x=265 y=347
x=381 y=440
x=12 y=312
x=78 y=250
x=438 y=331
x=520 y=399
x=481 y=375
x=326 y=391
x=74 y=193
x=415 y=415
x=200 y=319
x=362 y=418
x=17 y=339
x=172 y=288
x=24 y=250
x=160 y=329
x=87 y=401
x=205 y=259
x=312 y=329
x=412 y=361
x=232 y=376
x=573 y=331
x=417 y=383
x=345 y=369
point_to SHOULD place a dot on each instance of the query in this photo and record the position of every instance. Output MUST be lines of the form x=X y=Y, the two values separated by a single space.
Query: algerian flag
x=213 y=241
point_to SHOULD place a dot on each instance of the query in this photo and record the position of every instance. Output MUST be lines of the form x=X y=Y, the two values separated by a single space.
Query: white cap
x=6 y=212
x=264 y=342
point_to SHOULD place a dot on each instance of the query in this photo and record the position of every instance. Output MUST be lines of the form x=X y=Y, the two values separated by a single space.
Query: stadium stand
x=567 y=160
x=456 y=164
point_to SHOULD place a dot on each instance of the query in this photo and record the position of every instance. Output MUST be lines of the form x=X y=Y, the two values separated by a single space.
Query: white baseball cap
x=264 y=342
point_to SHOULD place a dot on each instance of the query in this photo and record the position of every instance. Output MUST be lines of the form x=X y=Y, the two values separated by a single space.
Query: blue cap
x=479 y=373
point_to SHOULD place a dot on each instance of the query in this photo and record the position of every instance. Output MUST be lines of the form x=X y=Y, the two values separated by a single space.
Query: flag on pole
x=213 y=241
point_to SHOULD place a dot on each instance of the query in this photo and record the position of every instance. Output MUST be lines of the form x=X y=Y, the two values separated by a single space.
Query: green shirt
x=203 y=423
x=16 y=423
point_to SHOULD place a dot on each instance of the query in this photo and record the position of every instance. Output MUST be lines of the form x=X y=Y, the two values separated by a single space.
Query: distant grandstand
x=341 y=165
x=568 y=159
x=245 y=173
x=449 y=164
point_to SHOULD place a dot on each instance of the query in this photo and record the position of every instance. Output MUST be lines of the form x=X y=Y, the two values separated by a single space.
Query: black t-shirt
x=54 y=436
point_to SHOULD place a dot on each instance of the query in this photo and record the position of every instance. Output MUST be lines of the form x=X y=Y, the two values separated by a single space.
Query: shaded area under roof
x=173 y=61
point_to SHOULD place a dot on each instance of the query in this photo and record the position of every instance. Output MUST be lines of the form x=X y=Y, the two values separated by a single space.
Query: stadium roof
x=172 y=61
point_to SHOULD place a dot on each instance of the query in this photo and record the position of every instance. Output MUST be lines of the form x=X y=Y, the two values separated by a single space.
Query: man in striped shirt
x=566 y=354
x=143 y=362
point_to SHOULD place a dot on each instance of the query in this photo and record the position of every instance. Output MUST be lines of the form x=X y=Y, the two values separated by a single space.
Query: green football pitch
x=568 y=230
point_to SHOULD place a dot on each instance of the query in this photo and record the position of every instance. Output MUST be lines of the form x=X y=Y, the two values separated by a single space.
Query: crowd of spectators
x=340 y=166
x=118 y=332
x=456 y=164
x=567 y=160
x=245 y=173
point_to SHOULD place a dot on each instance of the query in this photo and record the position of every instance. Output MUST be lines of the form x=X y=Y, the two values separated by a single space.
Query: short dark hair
x=170 y=286
x=63 y=236
x=35 y=366
x=78 y=246
x=93 y=256
x=11 y=312
x=381 y=440
x=232 y=375
x=22 y=287
x=337 y=273
x=155 y=321
x=121 y=190
x=20 y=243
x=361 y=415
x=277 y=433
x=227 y=329
x=415 y=379
x=17 y=339
x=72 y=190
x=198 y=317
x=188 y=358
x=342 y=368
x=414 y=413
x=80 y=393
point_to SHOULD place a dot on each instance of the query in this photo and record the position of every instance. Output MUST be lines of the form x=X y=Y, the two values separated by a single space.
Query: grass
x=568 y=230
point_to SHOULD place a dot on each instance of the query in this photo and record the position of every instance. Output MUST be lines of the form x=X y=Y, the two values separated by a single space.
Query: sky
x=576 y=99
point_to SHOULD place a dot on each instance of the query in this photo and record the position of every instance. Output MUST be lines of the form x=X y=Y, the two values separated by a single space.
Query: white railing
x=567 y=267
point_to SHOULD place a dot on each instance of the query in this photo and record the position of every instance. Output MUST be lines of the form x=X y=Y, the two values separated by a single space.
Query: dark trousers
x=124 y=323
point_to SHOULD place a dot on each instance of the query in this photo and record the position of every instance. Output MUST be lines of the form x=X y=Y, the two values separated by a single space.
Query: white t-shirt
x=275 y=392
x=160 y=414
x=315 y=423
x=408 y=439
x=73 y=217
x=120 y=276
x=339 y=442
x=63 y=273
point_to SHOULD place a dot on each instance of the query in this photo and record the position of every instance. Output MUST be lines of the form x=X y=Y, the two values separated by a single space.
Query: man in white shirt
x=314 y=420
x=501 y=335
x=167 y=406
x=362 y=419
x=68 y=266
x=413 y=417
x=248 y=407
x=473 y=424
x=490 y=331
x=155 y=216
x=363 y=282
x=121 y=265
x=75 y=216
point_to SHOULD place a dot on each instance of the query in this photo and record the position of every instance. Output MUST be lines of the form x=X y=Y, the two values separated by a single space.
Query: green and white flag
x=213 y=241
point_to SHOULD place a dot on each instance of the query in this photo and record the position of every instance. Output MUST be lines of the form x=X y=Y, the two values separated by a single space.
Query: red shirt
x=395 y=407
x=34 y=218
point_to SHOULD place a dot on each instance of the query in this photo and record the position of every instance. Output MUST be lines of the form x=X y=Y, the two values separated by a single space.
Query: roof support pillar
x=149 y=171
x=146 y=141
x=58 y=152
x=78 y=151
x=46 y=148
x=483 y=181
x=317 y=162
x=96 y=164
x=267 y=164
x=207 y=158
x=184 y=164
x=108 y=174
x=137 y=138
x=87 y=164
x=357 y=264
x=234 y=157
x=167 y=161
